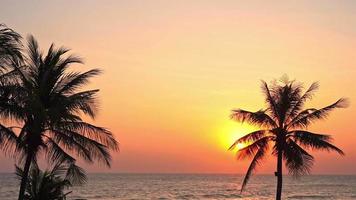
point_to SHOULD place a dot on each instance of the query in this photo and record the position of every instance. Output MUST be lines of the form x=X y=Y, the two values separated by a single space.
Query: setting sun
x=231 y=131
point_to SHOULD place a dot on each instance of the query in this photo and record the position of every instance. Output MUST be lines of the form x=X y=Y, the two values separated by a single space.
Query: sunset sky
x=173 y=70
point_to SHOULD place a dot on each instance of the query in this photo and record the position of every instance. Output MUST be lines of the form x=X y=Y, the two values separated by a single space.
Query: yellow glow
x=173 y=70
x=231 y=131
x=241 y=145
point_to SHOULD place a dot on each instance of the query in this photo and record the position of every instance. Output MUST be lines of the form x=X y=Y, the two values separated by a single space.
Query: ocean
x=198 y=186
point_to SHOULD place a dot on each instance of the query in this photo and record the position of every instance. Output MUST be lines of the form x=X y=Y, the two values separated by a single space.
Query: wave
x=323 y=185
x=310 y=197
x=187 y=196
x=225 y=196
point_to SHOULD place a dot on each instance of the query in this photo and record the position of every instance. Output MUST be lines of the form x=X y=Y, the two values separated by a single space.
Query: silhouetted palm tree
x=49 y=184
x=282 y=124
x=49 y=106
x=10 y=53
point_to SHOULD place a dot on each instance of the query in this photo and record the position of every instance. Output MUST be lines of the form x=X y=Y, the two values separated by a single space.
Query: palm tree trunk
x=279 y=176
x=25 y=177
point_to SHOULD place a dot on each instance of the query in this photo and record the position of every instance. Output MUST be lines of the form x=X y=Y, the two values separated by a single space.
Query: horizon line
x=206 y=173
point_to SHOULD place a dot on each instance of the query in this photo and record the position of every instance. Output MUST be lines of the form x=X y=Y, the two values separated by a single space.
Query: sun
x=231 y=131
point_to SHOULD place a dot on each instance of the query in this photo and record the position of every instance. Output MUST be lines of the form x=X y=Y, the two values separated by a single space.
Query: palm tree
x=49 y=184
x=10 y=53
x=47 y=102
x=283 y=125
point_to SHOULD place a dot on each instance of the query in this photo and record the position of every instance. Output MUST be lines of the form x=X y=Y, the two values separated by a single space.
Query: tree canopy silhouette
x=44 y=96
x=49 y=184
x=283 y=123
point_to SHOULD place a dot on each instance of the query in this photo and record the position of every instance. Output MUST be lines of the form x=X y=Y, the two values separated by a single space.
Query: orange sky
x=173 y=72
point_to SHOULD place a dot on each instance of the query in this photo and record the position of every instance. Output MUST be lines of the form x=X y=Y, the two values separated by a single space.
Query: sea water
x=198 y=186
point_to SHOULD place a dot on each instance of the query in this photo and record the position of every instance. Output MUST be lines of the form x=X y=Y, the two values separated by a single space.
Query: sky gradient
x=174 y=70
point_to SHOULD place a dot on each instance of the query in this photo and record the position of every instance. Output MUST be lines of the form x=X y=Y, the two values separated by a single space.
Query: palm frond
x=314 y=141
x=259 y=118
x=10 y=46
x=83 y=101
x=80 y=144
x=311 y=115
x=8 y=140
x=300 y=102
x=74 y=80
x=251 y=149
x=269 y=100
x=285 y=97
x=56 y=154
x=261 y=151
x=58 y=169
x=67 y=142
x=298 y=161
x=19 y=171
x=48 y=184
x=96 y=133
x=76 y=174
x=249 y=138
x=70 y=108
x=34 y=53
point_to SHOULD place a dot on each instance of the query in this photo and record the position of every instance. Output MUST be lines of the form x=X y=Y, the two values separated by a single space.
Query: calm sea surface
x=198 y=186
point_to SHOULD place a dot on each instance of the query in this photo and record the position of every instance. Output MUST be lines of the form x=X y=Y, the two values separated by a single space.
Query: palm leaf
x=298 y=161
x=270 y=100
x=248 y=138
x=311 y=115
x=72 y=81
x=259 y=118
x=300 y=102
x=251 y=149
x=76 y=175
x=10 y=46
x=258 y=156
x=314 y=141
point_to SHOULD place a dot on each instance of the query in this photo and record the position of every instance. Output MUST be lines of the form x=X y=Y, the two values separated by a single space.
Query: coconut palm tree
x=48 y=104
x=49 y=184
x=283 y=125
x=10 y=52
